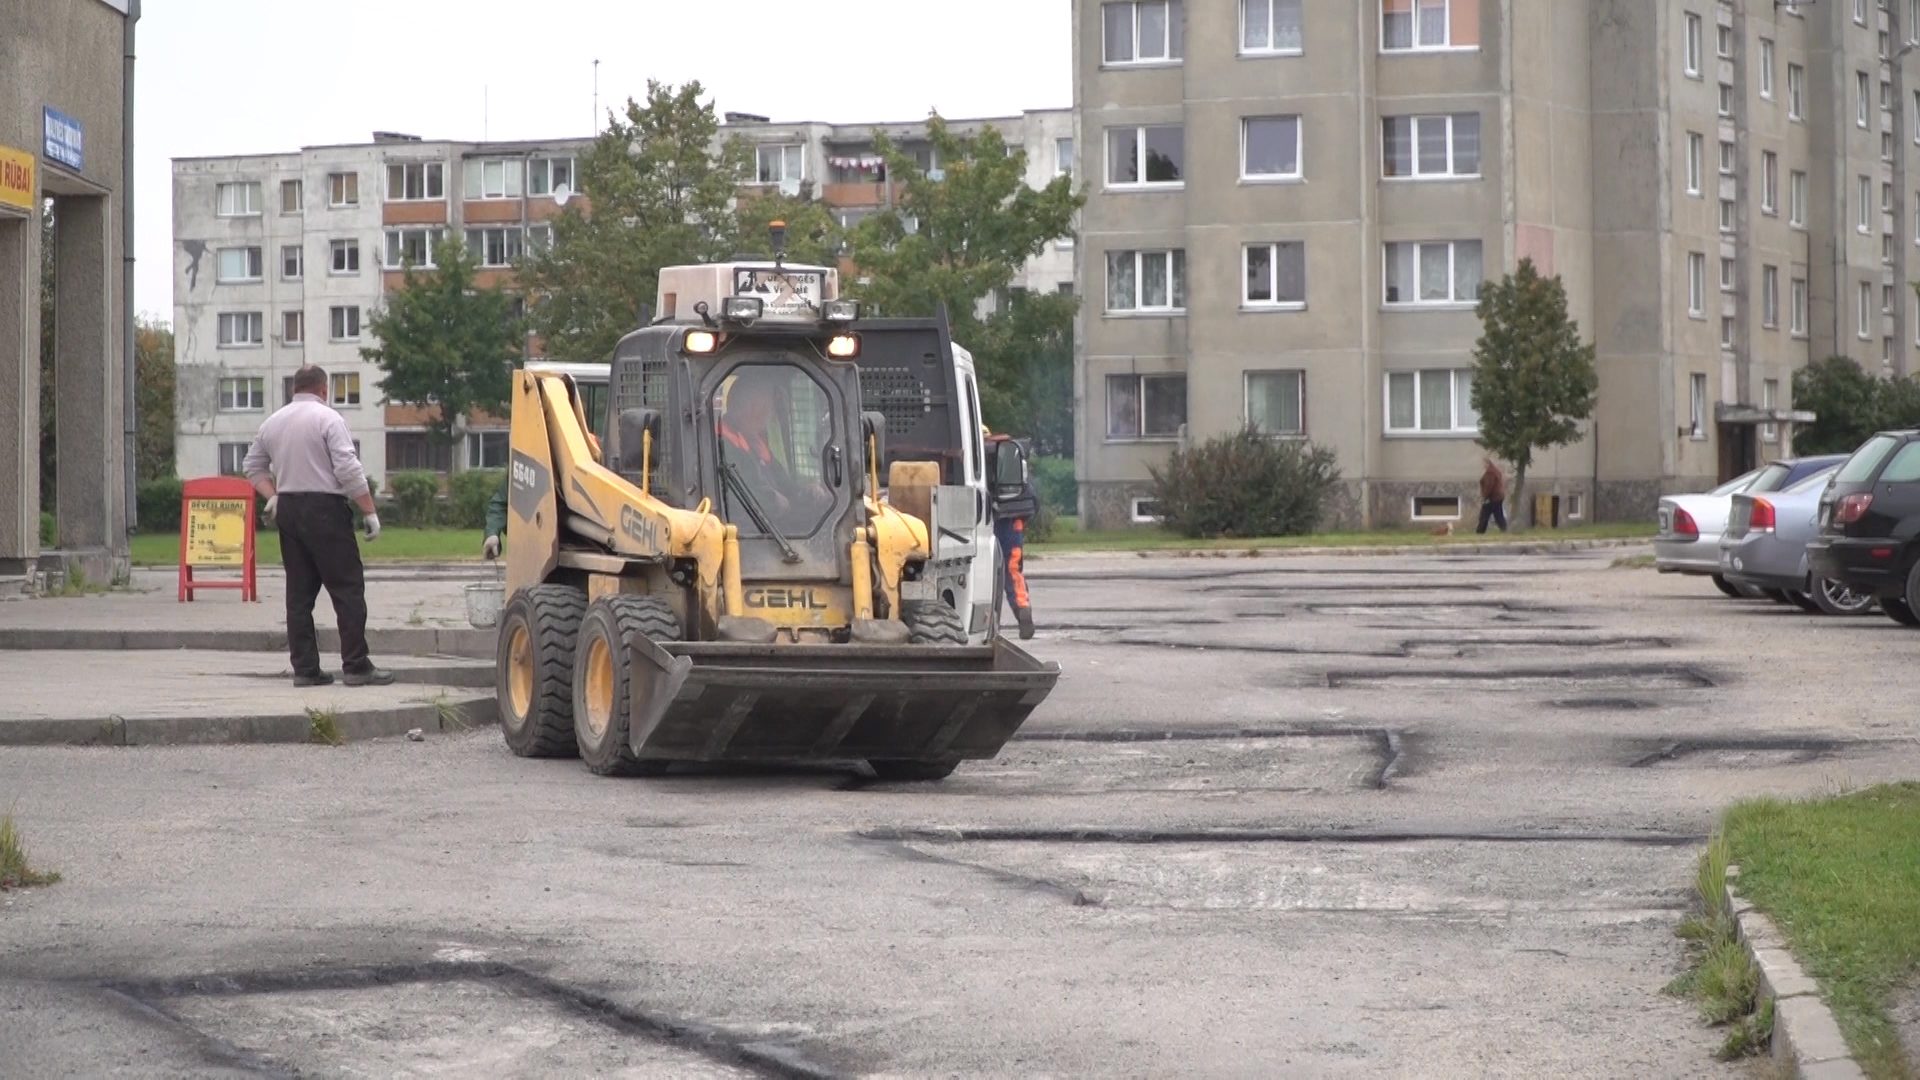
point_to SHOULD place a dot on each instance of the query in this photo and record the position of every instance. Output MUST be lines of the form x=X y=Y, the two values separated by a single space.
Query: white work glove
x=490 y=549
x=273 y=507
x=371 y=523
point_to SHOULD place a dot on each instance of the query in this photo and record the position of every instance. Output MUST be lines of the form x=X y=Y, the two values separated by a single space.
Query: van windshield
x=1865 y=460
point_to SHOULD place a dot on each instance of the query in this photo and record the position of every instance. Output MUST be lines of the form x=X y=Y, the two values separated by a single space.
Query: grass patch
x=1723 y=982
x=1067 y=536
x=394 y=545
x=1841 y=876
x=15 y=871
x=1633 y=562
x=323 y=727
x=451 y=718
x=74 y=583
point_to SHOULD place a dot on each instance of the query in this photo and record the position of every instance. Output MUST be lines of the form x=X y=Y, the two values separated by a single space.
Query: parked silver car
x=1690 y=525
x=1765 y=547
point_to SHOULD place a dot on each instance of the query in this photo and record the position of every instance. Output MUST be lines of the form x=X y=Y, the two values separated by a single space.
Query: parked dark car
x=1870 y=525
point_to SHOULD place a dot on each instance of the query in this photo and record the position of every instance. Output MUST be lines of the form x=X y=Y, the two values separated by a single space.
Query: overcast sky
x=245 y=76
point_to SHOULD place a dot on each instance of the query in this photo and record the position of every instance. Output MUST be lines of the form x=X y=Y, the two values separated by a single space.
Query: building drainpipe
x=129 y=405
x=1898 y=48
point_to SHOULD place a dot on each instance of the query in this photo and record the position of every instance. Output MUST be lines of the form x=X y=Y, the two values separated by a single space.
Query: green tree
x=1847 y=401
x=813 y=236
x=153 y=392
x=659 y=191
x=446 y=342
x=960 y=238
x=1533 y=379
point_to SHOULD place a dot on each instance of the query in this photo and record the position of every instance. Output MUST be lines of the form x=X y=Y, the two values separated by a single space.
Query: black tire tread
x=913 y=771
x=553 y=619
x=1827 y=607
x=1804 y=601
x=651 y=618
x=1900 y=611
x=1727 y=588
x=933 y=623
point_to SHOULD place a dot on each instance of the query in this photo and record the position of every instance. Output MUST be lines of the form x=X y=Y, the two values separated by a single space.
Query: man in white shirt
x=304 y=464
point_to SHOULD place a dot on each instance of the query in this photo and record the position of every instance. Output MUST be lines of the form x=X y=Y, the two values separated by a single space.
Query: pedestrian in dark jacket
x=1493 y=497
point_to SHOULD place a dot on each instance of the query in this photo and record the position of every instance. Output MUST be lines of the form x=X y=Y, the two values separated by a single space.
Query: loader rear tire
x=533 y=670
x=933 y=623
x=913 y=770
x=602 y=690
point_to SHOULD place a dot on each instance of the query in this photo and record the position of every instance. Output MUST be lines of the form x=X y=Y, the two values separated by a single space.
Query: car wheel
x=1833 y=598
x=1803 y=602
x=1726 y=587
x=1912 y=595
x=1899 y=612
x=1778 y=596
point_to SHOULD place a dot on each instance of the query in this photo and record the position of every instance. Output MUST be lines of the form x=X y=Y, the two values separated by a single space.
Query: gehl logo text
x=802 y=599
x=640 y=528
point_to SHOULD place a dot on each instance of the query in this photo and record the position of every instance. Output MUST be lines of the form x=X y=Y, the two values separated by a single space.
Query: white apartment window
x=1886 y=248
x=293 y=262
x=1421 y=146
x=1796 y=92
x=546 y=176
x=1424 y=24
x=1431 y=402
x=1770 y=297
x=1886 y=96
x=1270 y=148
x=1696 y=152
x=344 y=323
x=346 y=257
x=1728 y=215
x=495 y=247
x=1723 y=42
x=419 y=181
x=1797 y=199
x=492 y=178
x=1861 y=107
x=1728 y=276
x=1146 y=156
x=1697 y=401
x=343 y=189
x=1726 y=331
x=1886 y=198
x=1696 y=284
x=1770 y=400
x=293 y=327
x=233 y=457
x=1277 y=402
x=243 y=395
x=1063 y=157
x=240 y=264
x=1886 y=299
x=1916 y=114
x=236 y=200
x=781 y=164
x=1863 y=214
x=487 y=449
x=539 y=238
x=1886 y=350
x=1797 y=307
x=1146 y=406
x=1769 y=182
x=1728 y=158
x=1886 y=146
x=1150 y=281
x=290 y=196
x=1270 y=26
x=1144 y=32
x=1863 y=311
x=1691 y=58
x=412 y=246
x=1860 y=12
x=1766 y=69
x=1433 y=273
x=1276 y=275
x=1726 y=99
x=346 y=389
x=239 y=328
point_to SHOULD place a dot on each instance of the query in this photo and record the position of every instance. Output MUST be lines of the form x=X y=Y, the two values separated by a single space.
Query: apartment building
x=1292 y=206
x=281 y=258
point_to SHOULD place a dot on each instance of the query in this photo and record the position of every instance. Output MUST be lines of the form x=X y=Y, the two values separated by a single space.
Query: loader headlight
x=742 y=309
x=844 y=347
x=841 y=311
x=700 y=342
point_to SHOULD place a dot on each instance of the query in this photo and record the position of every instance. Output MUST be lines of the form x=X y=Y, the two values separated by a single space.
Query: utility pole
x=596 y=99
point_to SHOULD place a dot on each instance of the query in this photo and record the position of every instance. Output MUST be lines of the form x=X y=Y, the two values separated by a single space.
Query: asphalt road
x=1427 y=816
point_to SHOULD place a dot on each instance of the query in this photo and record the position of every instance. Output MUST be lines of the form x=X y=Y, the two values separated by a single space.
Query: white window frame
x=1766 y=68
x=231 y=323
x=1797 y=183
x=1693 y=45
x=542 y=167
x=345 y=251
x=1729 y=215
x=1697 y=392
x=299 y=253
x=1273 y=269
x=297 y=321
x=393 y=246
x=299 y=190
x=233 y=457
x=1270 y=49
x=513 y=244
x=343 y=390
x=1725 y=105
x=1697 y=284
x=1414 y=512
x=1862 y=108
x=1863 y=310
x=1299 y=150
x=1729 y=276
x=1176 y=282
x=475 y=449
x=1140 y=380
x=1175 y=34
x=1137 y=510
x=1770 y=297
x=1797 y=307
x=1453 y=270
x=428 y=172
x=1696 y=162
x=1729 y=158
x=1455 y=428
x=1862 y=216
x=1418 y=46
x=1414 y=123
x=237 y=199
x=1300 y=394
x=1726 y=331
x=1796 y=93
x=1723 y=41
x=1769 y=183
x=243 y=393
x=343 y=323
x=255 y=270
x=474 y=184
x=1860 y=12
x=1063 y=156
x=1140 y=151
x=1770 y=400
x=782 y=154
x=343 y=190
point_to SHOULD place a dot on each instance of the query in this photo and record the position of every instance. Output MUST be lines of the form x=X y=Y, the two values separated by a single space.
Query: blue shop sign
x=65 y=140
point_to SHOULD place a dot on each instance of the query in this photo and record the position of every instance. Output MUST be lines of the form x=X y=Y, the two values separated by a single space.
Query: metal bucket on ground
x=484 y=601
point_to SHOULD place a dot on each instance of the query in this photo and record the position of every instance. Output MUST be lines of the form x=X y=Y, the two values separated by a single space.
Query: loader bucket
x=806 y=703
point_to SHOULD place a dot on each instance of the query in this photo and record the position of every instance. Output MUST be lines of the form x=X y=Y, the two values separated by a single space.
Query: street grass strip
x=15 y=871
x=1067 y=537
x=394 y=545
x=1841 y=877
x=324 y=727
x=1723 y=982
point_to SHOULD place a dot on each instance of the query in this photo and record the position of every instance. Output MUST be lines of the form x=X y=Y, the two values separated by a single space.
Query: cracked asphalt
x=1405 y=816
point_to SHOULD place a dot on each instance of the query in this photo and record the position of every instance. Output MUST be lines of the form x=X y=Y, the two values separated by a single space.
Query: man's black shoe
x=1025 y=617
x=372 y=676
x=318 y=678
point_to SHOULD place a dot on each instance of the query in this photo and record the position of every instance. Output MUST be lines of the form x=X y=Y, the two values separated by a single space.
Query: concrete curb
x=475 y=711
x=392 y=641
x=1039 y=552
x=1806 y=1037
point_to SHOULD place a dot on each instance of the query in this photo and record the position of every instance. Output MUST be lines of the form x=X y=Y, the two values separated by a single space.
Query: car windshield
x=1736 y=485
x=1818 y=479
x=1771 y=478
x=1865 y=460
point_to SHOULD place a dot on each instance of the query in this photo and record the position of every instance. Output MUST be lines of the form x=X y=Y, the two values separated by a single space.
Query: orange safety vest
x=762 y=451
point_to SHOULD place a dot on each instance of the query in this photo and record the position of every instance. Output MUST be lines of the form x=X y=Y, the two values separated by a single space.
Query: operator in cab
x=764 y=458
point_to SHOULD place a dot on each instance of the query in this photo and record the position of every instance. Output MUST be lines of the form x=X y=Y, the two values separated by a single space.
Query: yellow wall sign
x=217 y=532
x=16 y=178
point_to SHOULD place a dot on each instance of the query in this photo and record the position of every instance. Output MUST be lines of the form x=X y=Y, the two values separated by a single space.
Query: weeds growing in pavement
x=451 y=718
x=1723 y=983
x=15 y=871
x=324 y=727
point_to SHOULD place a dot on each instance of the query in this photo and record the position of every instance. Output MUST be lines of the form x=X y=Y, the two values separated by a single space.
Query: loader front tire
x=933 y=623
x=602 y=687
x=533 y=670
x=913 y=770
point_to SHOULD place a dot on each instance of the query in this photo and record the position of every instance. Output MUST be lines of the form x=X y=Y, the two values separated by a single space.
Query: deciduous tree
x=445 y=342
x=1534 y=380
x=153 y=390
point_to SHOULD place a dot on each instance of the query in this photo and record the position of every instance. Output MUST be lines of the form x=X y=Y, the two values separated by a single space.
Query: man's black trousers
x=318 y=547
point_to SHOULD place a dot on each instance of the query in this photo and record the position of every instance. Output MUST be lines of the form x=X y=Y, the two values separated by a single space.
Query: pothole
x=1213 y=765
x=1605 y=704
x=1471 y=646
x=1255 y=592
x=1592 y=680
x=1439 y=611
x=1740 y=753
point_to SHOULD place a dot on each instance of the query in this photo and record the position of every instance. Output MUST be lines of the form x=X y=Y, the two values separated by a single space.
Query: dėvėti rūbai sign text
x=16 y=178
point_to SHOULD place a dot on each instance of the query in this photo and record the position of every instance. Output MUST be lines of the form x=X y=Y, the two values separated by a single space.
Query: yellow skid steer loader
x=727 y=579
